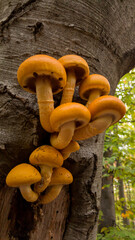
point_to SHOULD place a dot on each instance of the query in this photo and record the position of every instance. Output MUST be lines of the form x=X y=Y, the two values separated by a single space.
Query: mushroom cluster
x=67 y=123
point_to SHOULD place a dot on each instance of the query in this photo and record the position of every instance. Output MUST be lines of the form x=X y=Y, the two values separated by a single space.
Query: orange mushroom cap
x=46 y=155
x=73 y=146
x=94 y=81
x=77 y=63
x=61 y=176
x=105 y=111
x=69 y=112
x=22 y=174
x=107 y=105
x=41 y=65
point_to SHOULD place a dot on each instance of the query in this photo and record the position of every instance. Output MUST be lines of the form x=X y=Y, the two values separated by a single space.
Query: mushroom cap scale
x=46 y=155
x=41 y=66
x=107 y=105
x=77 y=63
x=22 y=174
x=94 y=81
x=69 y=112
x=61 y=176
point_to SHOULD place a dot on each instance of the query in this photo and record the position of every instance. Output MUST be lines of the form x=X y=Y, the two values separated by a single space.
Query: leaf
x=104 y=229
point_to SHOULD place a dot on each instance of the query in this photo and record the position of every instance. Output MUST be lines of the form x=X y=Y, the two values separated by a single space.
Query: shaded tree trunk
x=107 y=204
x=122 y=195
x=102 y=33
x=107 y=199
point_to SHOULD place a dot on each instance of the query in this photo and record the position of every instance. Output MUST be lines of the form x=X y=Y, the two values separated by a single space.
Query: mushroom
x=45 y=76
x=47 y=158
x=65 y=119
x=60 y=177
x=73 y=146
x=23 y=176
x=105 y=111
x=93 y=87
x=77 y=69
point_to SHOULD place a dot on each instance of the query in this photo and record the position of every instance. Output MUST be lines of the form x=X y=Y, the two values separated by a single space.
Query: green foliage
x=120 y=140
x=114 y=233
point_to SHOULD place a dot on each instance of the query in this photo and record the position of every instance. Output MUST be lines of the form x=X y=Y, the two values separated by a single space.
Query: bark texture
x=103 y=33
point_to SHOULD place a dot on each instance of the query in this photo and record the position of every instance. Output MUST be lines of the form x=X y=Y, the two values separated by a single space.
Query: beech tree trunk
x=103 y=33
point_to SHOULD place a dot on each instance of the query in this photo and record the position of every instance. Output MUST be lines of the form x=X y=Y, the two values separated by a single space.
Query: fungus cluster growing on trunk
x=67 y=123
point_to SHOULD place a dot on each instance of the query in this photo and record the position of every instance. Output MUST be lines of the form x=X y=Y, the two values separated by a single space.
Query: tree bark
x=102 y=33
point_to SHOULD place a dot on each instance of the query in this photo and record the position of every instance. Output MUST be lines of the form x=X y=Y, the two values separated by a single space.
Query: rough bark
x=103 y=33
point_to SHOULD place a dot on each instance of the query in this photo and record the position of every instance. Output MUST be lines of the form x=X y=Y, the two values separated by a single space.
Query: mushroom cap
x=77 y=63
x=107 y=105
x=41 y=65
x=69 y=112
x=61 y=176
x=94 y=81
x=46 y=155
x=22 y=174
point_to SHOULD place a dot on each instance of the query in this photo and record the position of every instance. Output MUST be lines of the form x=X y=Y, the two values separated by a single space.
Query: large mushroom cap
x=41 y=65
x=23 y=174
x=46 y=155
x=61 y=176
x=77 y=63
x=69 y=112
x=107 y=105
x=94 y=81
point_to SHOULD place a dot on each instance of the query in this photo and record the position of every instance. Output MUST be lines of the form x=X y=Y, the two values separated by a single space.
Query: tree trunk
x=122 y=196
x=107 y=204
x=102 y=33
x=107 y=199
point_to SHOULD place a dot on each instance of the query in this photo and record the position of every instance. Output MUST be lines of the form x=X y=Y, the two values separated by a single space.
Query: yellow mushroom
x=47 y=158
x=45 y=76
x=77 y=69
x=105 y=111
x=23 y=176
x=64 y=120
x=93 y=87
x=60 y=177
x=73 y=146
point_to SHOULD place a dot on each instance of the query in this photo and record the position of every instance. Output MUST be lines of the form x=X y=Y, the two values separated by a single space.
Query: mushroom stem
x=93 y=128
x=45 y=101
x=63 y=138
x=95 y=93
x=46 y=173
x=28 y=194
x=72 y=147
x=68 y=91
x=50 y=194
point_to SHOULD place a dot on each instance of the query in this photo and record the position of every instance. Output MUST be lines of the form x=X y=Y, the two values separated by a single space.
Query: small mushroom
x=93 y=87
x=47 y=158
x=45 y=76
x=77 y=69
x=105 y=111
x=73 y=146
x=23 y=176
x=60 y=177
x=64 y=120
